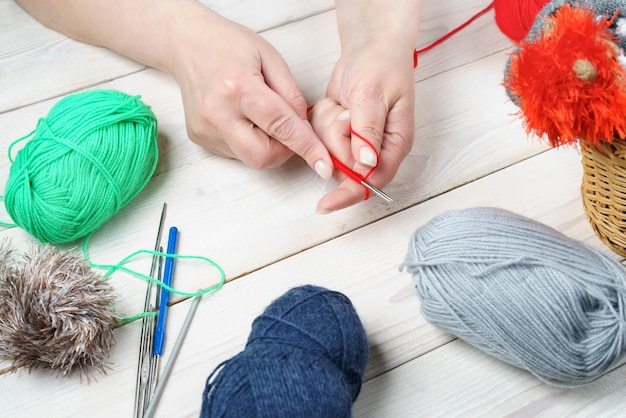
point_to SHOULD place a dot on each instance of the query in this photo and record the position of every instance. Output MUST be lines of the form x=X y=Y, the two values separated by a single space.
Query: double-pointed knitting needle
x=377 y=191
x=154 y=360
x=172 y=358
x=143 y=369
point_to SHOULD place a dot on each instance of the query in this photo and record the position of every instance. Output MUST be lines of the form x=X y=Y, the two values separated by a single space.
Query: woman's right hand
x=240 y=98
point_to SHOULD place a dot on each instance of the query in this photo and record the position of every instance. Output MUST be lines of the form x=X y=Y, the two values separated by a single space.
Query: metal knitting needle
x=155 y=360
x=172 y=358
x=141 y=369
x=377 y=191
x=146 y=330
x=146 y=365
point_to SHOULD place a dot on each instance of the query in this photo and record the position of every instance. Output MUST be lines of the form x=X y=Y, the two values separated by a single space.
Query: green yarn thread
x=92 y=154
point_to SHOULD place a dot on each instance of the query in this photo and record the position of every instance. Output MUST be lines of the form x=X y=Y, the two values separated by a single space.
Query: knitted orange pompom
x=569 y=81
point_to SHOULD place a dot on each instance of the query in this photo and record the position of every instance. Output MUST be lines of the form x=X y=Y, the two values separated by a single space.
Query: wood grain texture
x=470 y=150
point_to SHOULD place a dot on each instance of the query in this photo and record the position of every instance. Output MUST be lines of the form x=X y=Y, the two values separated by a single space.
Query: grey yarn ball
x=522 y=292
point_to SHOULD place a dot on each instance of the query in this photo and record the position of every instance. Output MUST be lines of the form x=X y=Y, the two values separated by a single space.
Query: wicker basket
x=603 y=192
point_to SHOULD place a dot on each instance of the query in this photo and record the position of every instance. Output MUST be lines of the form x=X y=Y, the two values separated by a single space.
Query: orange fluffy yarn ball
x=569 y=81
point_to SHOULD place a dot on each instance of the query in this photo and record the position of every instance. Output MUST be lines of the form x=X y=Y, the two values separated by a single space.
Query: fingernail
x=323 y=170
x=323 y=211
x=368 y=157
x=345 y=115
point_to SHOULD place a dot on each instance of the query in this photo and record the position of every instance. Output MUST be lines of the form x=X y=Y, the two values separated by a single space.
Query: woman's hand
x=240 y=98
x=373 y=81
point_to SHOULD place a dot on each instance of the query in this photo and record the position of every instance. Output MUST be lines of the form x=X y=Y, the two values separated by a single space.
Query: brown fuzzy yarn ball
x=55 y=312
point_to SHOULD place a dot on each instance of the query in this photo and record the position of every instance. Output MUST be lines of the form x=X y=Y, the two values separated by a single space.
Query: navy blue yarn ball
x=305 y=356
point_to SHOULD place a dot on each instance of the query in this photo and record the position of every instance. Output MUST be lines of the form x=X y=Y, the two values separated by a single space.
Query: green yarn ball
x=92 y=154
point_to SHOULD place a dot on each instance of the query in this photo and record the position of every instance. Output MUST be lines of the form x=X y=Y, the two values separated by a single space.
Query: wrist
x=363 y=22
x=187 y=23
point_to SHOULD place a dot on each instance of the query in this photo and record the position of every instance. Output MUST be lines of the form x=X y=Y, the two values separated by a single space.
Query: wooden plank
x=459 y=380
x=37 y=63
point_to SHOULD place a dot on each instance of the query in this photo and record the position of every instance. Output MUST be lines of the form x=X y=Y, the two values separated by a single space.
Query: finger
x=399 y=136
x=367 y=124
x=394 y=149
x=255 y=148
x=322 y=112
x=397 y=142
x=239 y=138
x=331 y=123
x=279 y=78
x=272 y=114
x=350 y=192
x=337 y=141
x=347 y=194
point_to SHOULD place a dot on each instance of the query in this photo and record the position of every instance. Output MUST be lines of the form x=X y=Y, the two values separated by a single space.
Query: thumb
x=367 y=127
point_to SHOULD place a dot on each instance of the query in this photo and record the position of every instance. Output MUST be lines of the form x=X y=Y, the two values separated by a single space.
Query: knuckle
x=370 y=133
x=402 y=143
x=406 y=144
x=230 y=90
x=307 y=150
x=368 y=92
x=283 y=128
x=297 y=97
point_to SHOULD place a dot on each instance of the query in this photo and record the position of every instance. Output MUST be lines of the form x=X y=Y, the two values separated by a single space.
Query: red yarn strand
x=346 y=170
x=439 y=41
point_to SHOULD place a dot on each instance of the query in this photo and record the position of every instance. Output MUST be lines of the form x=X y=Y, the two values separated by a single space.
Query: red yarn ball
x=515 y=17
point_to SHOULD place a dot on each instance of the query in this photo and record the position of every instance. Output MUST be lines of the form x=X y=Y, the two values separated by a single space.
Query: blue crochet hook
x=159 y=337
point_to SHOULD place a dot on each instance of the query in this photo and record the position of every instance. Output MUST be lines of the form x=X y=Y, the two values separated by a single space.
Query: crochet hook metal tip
x=377 y=191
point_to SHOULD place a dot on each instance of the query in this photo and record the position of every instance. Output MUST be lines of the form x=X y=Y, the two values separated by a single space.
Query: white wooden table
x=260 y=226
